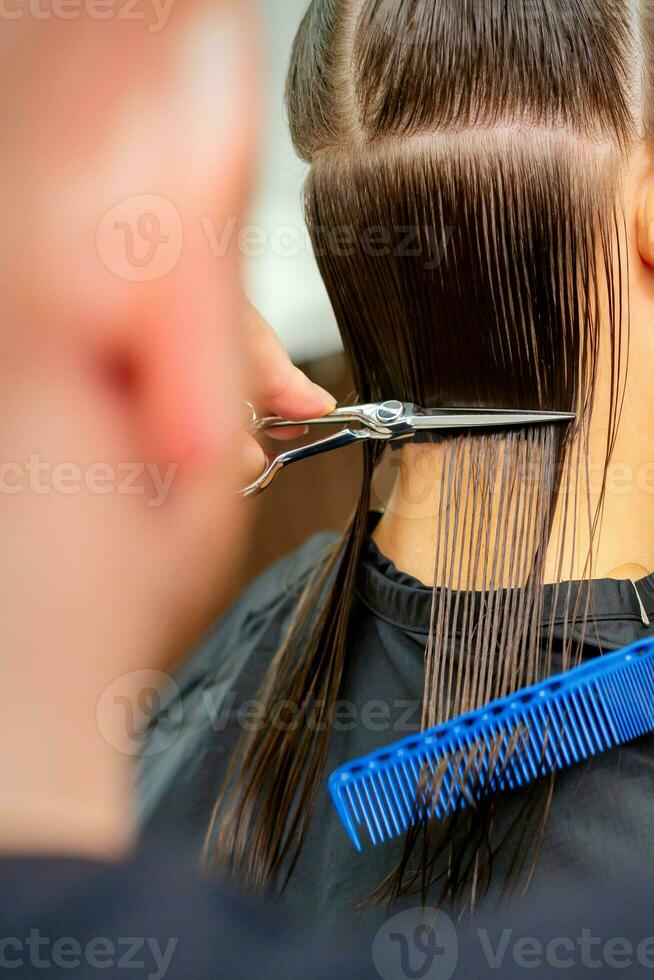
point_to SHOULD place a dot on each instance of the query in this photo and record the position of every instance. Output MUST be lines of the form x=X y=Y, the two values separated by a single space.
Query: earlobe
x=646 y=224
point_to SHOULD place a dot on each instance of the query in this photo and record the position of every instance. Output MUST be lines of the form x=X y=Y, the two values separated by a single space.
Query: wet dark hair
x=463 y=200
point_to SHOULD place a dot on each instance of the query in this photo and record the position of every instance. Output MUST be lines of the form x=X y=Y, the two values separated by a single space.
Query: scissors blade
x=444 y=419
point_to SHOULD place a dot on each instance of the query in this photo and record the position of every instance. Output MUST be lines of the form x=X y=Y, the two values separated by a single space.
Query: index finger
x=280 y=387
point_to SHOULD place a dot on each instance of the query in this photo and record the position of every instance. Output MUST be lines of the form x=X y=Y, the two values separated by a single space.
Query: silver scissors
x=390 y=421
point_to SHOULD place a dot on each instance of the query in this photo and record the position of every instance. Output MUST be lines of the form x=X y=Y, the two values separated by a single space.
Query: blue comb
x=506 y=745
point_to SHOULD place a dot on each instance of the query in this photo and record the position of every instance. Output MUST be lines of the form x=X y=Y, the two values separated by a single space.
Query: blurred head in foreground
x=120 y=378
x=119 y=369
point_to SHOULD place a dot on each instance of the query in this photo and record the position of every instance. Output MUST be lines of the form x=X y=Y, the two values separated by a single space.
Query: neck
x=624 y=541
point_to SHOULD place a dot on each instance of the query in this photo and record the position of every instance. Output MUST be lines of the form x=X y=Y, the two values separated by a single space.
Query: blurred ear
x=171 y=348
x=124 y=197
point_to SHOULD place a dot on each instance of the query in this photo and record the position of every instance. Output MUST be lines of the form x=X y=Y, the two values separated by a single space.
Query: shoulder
x=199 y=718
x=260 y=613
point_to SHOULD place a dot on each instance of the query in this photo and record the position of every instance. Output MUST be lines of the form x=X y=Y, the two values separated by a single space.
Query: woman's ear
x=646 y=223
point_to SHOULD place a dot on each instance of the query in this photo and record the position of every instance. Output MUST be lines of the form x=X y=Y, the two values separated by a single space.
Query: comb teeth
x=506 y=745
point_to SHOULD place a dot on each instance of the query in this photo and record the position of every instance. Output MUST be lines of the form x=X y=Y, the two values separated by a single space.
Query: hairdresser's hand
x=278 y=387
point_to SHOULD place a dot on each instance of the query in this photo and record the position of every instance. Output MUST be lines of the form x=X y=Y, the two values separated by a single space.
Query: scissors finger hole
x=288 y=434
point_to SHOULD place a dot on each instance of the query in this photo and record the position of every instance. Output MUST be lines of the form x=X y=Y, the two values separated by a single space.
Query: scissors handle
x=346 y=437
x=375 y=417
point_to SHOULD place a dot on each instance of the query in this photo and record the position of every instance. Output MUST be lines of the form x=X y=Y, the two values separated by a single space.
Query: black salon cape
x=151 y=917
x=602 y=816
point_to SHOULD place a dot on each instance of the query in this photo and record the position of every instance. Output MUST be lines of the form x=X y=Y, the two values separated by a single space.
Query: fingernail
x=328 y=400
